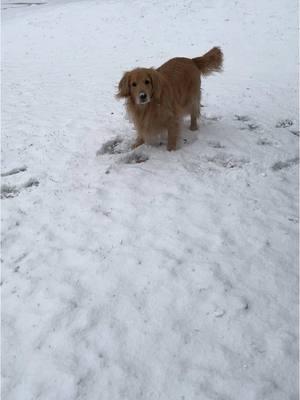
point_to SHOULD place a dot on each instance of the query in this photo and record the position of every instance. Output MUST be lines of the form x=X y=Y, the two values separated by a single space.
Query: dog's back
x=184 y=75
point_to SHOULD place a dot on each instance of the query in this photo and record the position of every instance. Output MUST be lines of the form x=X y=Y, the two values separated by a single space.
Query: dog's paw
x=137 y=143
x=171 y=148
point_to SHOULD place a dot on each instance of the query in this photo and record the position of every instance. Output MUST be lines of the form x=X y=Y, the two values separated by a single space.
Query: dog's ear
x=156 y=83
x=124 y=86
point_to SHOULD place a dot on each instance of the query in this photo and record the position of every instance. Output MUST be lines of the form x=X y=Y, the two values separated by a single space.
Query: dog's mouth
x=143 y=98
x=144 y=101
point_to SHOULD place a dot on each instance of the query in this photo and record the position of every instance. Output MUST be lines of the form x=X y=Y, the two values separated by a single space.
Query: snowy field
x=147 y=274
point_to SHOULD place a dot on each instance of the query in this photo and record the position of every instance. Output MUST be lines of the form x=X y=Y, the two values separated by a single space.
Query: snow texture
x=147 y=274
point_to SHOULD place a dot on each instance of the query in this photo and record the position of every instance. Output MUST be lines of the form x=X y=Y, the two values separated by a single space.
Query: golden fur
x=157 y=99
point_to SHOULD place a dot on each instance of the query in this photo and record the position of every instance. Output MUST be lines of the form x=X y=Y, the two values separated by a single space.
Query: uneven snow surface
x=147 y=274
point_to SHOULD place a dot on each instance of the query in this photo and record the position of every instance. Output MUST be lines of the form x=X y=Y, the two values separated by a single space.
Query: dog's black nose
x=143 y=96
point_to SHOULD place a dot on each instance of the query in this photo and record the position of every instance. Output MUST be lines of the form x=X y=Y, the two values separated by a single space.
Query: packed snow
x=147 y=274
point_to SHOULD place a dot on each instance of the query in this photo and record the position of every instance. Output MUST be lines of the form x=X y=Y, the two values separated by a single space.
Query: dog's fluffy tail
x=210 y=62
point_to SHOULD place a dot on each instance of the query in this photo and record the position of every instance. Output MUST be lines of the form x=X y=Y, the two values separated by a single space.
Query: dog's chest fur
x=149 y=119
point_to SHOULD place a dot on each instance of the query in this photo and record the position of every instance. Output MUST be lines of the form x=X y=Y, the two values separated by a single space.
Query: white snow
x=147 y=274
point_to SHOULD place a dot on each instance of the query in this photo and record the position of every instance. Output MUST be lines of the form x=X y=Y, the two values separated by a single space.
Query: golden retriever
x=157 y=99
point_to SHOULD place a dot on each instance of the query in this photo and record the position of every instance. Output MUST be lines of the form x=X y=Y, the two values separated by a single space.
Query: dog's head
x=142 y=85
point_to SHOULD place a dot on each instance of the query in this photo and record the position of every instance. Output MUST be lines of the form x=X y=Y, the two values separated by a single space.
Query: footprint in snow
x=219 y=312
x=14 y=171
x=285 y=164
x=212 y=117
x=243 y=118
x=120 y=146
x=111 y=147
x=227 y=161
x=264 y=142
x=216 y=145
x=284 y=123
x=135 y=157
x=9 y=191
x=250 y=126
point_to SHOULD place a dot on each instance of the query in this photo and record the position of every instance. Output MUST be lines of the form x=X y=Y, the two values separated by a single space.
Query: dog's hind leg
x=173 y=132
x=195 y=113
x=194 y=124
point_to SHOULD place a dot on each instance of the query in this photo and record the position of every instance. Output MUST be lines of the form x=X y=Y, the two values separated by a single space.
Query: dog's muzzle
x=143 y=98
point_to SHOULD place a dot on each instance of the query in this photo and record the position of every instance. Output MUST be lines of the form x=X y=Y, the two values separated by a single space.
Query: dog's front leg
x=173 y=132
x=138 y=142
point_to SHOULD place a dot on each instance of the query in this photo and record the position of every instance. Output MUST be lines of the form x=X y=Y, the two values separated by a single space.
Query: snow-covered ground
x=173 y=278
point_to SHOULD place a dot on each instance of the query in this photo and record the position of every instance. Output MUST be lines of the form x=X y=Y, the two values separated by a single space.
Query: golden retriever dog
x=158 y=99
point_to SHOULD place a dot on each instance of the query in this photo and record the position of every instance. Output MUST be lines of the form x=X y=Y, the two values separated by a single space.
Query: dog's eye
x=133 y=83
x=147 y=81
